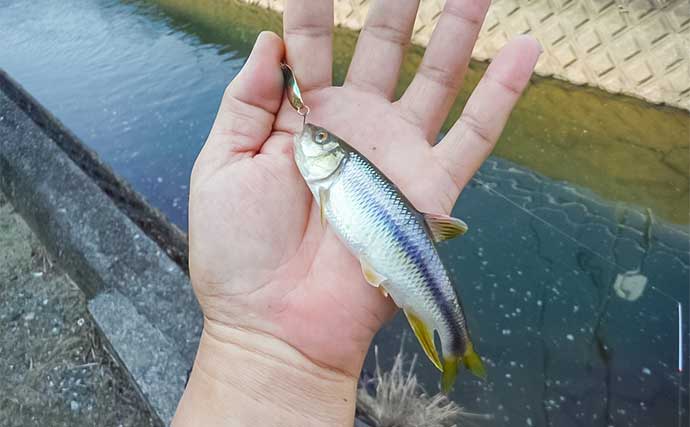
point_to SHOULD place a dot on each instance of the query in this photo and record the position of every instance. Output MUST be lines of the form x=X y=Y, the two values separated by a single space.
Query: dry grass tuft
x=400 y=401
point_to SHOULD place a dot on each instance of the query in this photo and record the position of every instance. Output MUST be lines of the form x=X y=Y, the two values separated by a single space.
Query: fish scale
x=365 y=212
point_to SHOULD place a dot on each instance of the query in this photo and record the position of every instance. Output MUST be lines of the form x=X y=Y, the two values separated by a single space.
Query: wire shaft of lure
x=294 y=93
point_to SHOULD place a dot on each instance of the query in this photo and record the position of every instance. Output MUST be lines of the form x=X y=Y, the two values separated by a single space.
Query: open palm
x=260 y=258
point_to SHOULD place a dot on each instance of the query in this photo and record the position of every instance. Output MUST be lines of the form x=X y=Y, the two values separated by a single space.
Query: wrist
x=243 y=377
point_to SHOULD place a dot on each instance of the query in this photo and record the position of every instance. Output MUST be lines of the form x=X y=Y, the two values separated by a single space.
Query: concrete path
x=55 y=368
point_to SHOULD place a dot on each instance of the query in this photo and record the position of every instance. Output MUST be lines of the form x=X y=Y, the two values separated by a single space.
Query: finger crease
x=317 y=85
x=454 y=177
x=473 y=21
x=359 y=82
x=234 y=104
x=387 y=33
x=239 y=136
x=309 y=31
x=475 y=126
x=508 y=87
x=240 y=124
x=411 y=116
x=439 y=76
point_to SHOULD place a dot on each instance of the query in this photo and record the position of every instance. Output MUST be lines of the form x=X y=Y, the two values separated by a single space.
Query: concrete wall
x=635 y=47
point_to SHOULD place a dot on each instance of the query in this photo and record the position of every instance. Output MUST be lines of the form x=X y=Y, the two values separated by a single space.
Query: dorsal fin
x=444 y=227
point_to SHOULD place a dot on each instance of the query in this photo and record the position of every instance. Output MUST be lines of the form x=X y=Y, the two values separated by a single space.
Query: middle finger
x=381 y=46
x=308 y=33
x=431 y=94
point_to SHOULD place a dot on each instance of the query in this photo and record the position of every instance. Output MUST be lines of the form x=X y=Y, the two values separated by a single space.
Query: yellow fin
x=472 y=362
x=450 y=371
x=425 y=337
x=372 y=276
x=383 y=291
x=323 y=199
x=444 y=227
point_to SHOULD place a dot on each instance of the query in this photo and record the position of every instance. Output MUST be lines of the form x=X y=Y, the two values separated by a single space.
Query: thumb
x=247 y=111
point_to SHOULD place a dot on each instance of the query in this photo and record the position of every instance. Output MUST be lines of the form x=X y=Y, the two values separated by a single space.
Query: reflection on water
x=573 y=333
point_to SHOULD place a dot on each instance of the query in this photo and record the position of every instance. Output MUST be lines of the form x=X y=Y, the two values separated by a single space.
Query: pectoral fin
x=425 y=337
x=444 y=227
x=373 y=277
x=323 y=199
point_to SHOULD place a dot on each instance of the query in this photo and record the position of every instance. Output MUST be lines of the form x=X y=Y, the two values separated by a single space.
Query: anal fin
x=425 y=337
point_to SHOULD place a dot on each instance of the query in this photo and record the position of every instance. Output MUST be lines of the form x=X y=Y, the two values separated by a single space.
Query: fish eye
x=321 y=137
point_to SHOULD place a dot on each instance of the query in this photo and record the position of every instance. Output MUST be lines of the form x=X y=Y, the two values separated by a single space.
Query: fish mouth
x=307 y=131
x=304 y=142
x=306 y=134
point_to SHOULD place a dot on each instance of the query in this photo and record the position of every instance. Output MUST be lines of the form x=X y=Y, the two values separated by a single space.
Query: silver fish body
x=393 y=241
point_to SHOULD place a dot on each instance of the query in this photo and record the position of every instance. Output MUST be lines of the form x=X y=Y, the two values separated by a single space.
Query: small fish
x=394 y=243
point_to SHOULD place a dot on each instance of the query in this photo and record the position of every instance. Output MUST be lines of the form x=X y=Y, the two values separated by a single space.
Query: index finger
x=308 y=35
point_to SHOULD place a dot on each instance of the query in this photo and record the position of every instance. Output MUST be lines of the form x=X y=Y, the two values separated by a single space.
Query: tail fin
x=473 y=362
x=470 y=359
x=450 y=371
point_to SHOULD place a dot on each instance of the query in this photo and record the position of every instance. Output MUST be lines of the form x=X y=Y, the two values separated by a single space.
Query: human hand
x=271 y=280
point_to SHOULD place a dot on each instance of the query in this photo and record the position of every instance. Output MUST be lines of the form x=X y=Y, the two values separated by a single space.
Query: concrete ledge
x=119 y=267
x=153 y=361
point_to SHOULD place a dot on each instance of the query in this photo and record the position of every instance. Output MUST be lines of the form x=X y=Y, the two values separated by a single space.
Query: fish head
x=318 y=153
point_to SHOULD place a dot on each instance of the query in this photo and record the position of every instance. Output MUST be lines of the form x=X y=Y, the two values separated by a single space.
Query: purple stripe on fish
x=417 y=255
